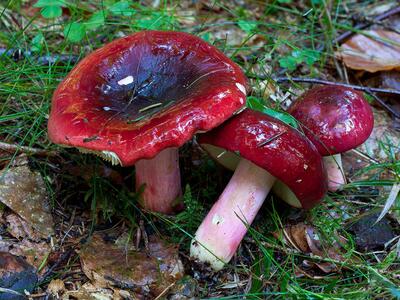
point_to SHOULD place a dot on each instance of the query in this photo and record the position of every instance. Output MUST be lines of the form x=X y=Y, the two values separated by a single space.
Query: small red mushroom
x=262 y=149
x=336 y=119
x=137 y=99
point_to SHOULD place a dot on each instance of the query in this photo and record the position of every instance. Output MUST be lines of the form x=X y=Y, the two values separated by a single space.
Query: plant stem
x=162 y=180
x=221 y=232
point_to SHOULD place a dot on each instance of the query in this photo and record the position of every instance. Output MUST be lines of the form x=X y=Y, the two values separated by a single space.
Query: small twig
x=369 y=159
x=327 y=82
x=19 y=54
x=138 y=237
x=362 y=203
x=367 y=89
x=37 y=295
x=8 y=291
x=29 y=150
x=145 y=236
x=361 y=26
x=63 y=257
x=381 y=102
x=164 y=292
x=345 y=35
x=263 y=143
x=311 y=256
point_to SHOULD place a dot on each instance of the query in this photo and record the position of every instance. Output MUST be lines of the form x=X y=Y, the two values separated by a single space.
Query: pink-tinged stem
x=221 y=232
x=334 y=169
x=162 y=178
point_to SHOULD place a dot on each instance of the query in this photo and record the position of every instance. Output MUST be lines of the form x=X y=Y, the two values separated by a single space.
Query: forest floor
x=92 y=240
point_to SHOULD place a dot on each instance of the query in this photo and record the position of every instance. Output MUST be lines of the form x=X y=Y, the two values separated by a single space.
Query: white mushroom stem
x=162 y=180
x=334 y=169
x=221 y=232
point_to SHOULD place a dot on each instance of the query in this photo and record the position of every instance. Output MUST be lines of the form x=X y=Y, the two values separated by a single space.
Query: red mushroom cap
x=145 y=92
x=334 y=118
x=278 y=148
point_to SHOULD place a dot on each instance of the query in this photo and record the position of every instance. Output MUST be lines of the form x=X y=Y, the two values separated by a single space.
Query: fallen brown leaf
x=24 y=192
x=391 y=80
x=368 y=235
x=305 y=239
x=35 y=253
x=16 y=275
x=298 y=235
x=380 y=52
x=20 y=229
x=56 y=287
x=89 y=291
x=383 y=134
x=110 y=265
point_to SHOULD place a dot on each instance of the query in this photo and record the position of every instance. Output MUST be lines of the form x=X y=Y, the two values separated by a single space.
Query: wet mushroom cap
x=274 y=146
x=145 y=92
x=336 y=119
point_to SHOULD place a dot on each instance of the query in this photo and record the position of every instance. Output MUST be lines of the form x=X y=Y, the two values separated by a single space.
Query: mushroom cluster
x=136 y=100
x=275 y=155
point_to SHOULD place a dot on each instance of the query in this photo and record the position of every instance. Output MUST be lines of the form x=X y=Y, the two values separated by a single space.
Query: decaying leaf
x=27 y=243
x=383 y=139
x=89 y=291
x=56 y=287
x=20 y=229
x=369 y=235
x=24 y=192
x=109 y=265
x=305 y=239
x=15 y=275
x=377 y=50
x=390 y=80
x=34 y=253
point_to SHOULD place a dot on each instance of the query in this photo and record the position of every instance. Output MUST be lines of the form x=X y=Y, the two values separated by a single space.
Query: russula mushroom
x=336 y=119
x=263 y=149
x=137 y=99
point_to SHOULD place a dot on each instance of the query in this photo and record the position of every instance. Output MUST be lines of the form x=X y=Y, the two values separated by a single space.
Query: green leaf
x=288 y=62
x=74 y=32
x=122 y=8
x=248 y=26
x=257 y=104
x=96 y=20
x=37 y=42
x=147 y=23
x=317 y=2
x=155 y=21
x=395 y=292
x=49 y=3
x=50 y=12
x=205 y=36
x=311 y=56
x=299 y=56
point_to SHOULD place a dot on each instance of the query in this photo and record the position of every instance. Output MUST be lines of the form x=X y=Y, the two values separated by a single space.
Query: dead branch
x=25 y=149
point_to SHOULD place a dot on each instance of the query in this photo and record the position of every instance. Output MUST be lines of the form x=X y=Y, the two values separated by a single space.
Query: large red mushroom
x=336 y=119
x=261 y=149
x=137 y=99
